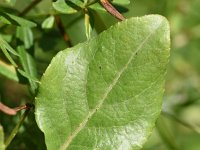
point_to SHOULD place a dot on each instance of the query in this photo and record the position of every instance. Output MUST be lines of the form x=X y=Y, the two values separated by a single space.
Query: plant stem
x=111 y=9
x=61 y=28
x=29 y=7
x=7 y=110
x=16 y=129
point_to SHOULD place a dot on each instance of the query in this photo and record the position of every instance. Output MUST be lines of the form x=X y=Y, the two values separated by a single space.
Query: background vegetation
x=179 y=124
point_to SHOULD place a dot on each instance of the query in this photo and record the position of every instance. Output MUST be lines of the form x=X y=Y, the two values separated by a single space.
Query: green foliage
x=15 y=20
x=32 y=32
x=48 y=22
x=106 y=84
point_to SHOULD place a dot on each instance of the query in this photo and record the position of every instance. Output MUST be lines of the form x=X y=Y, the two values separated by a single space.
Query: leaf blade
x=90 y=89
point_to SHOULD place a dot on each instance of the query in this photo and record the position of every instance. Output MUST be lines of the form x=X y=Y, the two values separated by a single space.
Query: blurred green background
x=178 y=127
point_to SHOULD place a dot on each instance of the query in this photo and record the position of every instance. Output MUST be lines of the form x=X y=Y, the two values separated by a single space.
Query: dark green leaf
x=106 y=93
x=5 y=45
x=25 y=35
x=68 y=7
x=6 y=48
x=29 y=67
x=15 y=20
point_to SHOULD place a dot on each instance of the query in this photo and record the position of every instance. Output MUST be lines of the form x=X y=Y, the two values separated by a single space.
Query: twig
x=29 y=7
x=13 y=111
x=109 y=7
x=16 y=129
x=62 y=30
x=7 y=110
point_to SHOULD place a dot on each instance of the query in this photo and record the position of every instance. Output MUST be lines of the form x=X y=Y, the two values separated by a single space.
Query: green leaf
x=68 y=7
x=97 y=6
x=6 y=48
x=29 y=67
x=8 y=71
x=25 y=35
x=88 y=23
x=15 y=20
x=2 y=146
x=11 y=2
x=106 y=93
x=5 y=45
x=121 y=2
x=48 y=22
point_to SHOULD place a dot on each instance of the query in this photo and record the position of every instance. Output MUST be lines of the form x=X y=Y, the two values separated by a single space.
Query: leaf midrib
x=98 y=106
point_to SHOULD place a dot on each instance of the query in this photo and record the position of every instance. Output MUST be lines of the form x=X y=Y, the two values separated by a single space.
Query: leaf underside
x=106 y=93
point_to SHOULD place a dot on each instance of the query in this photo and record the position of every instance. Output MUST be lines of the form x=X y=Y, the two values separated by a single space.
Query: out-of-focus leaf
x=5 y=45
x=25 y=35
x=121 y=2
x=15 y=20
x=68 y=7
x=8 y=71
x=106 y=93
x=2 y=146
x=48 y=22
x=88 y=23
x=29 y=67
x=6 y=48
x=11 y=2
x=97 y=6
x=166 y=134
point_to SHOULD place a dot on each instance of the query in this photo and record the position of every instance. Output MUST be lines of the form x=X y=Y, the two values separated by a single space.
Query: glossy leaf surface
x=106 y=93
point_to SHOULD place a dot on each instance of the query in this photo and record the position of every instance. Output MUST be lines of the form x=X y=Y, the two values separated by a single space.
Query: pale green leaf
x=25 y=35
x=2 y=146
x=106 y=93
x=8 y=71
x=68 y=7
x=88 y=23
x=29 y=67
x=48 y=22
x=11 y=2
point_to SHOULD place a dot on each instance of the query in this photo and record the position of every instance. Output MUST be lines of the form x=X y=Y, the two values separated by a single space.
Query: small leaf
x=15 y=20
x=88 y=24
x=8 y=71
x=68 y=7
x=48 y=22
x=106 y=93
x=6 y=48
x=11 y=2
x=29 y=67
x=25 y=35
x=2 y=146
x=121 y=2
x=97 y=6
x=5 y=45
